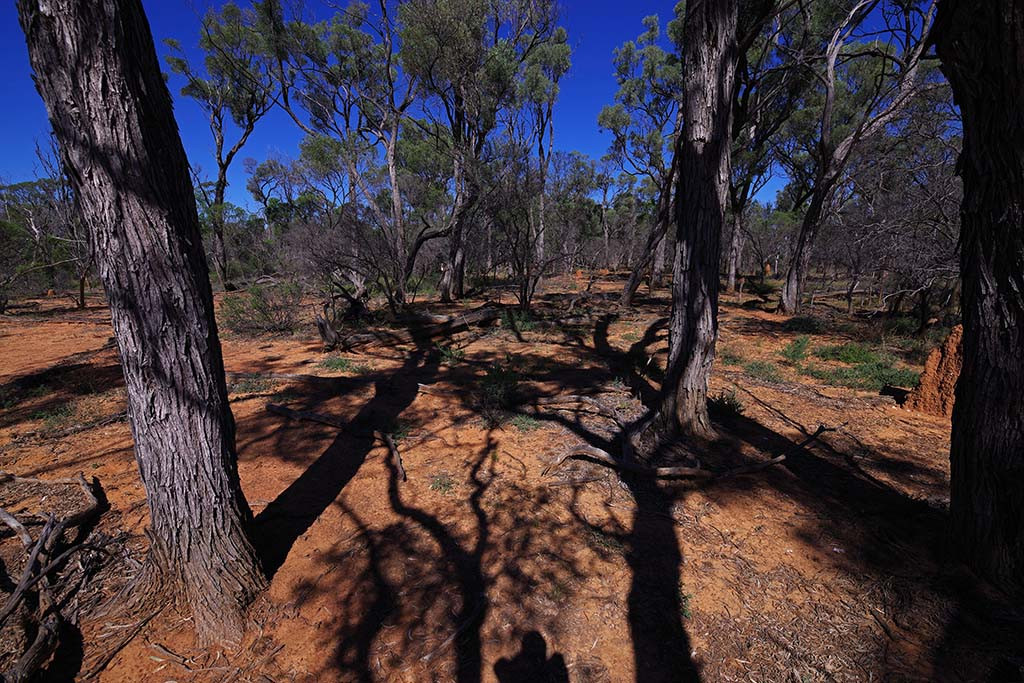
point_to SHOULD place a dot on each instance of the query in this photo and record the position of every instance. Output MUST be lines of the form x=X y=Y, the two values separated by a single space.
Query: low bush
x=525 y=423
x=870 y=376
x=803 y=323
x=451 y=355
x=726 y=403
x=730 y=357
x=263 y=309
x=341 y=364
x=518 y=320
x=852 y=354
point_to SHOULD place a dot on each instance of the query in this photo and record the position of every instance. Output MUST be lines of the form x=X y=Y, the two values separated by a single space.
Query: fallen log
x=416 y=332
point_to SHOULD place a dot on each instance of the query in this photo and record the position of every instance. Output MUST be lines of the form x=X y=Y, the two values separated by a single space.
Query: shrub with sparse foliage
x=263 y=309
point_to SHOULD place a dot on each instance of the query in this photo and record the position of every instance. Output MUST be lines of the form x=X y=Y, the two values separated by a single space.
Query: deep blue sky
x=595 y=28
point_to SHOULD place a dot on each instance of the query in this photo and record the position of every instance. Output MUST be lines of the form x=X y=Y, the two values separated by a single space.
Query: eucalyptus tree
x=231 y=88
x=767 y=90
x=97 y=71
x=343 y=78
x=645 y=123
x=544 y=68
x=468 y=57
x=861 y=84
x=980 y=48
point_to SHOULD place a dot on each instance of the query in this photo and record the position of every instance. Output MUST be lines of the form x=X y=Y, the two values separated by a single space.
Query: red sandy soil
x=829 y=567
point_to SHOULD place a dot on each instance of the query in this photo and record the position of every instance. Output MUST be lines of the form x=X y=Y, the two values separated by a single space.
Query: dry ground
x=829 y=567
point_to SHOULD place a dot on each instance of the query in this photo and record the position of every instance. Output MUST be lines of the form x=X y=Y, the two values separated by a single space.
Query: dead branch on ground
x=42 y=561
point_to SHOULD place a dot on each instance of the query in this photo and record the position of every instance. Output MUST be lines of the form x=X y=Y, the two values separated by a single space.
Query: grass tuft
x=442 y=483
x=763 y=370
x=341 y=364
x=803 y=323
x=726 y=403
x=796 y=350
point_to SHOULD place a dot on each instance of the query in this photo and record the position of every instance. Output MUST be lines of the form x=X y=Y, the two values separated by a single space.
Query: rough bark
x=981 y=46
x=96 y=68
x=709 y=65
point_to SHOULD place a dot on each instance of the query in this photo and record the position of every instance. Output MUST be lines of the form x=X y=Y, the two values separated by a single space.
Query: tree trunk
x=636 y=274
x=220 y=256
x=796 y=276
x=97 y=71
x=81 y=290
x=735 y=250
x=709 y=66
x=983 y=57
x=658 y=267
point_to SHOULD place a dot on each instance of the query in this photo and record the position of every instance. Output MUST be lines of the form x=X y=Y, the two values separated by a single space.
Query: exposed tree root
x=628 y=437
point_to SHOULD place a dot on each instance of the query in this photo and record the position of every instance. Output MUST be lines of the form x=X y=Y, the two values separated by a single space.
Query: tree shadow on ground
x=297 y=507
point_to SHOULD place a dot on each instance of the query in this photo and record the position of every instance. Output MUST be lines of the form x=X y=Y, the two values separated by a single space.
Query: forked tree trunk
x=97 y=71
x=983 y=56
x=709 y=67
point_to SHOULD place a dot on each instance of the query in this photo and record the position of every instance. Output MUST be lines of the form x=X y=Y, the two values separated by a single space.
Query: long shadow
x=466 y=567
x=661 y=645
x=292 y=513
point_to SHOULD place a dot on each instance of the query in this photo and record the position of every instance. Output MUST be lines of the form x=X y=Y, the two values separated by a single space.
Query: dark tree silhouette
x=97 y=71
x=982 y=53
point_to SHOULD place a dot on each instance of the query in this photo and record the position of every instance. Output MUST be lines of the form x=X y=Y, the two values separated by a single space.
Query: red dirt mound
x=936 y=392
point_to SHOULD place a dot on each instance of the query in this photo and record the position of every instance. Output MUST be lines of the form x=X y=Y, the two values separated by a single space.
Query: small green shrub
x=763 y=370
x=500 y=383
x=765 y=289
x=518 y=320
x=902 y=326
x=869 y=376
x=442 y=483
x=685 y=604
x=602 y=540
x=55 y=416
x=804 y=324
x=525 y=423
x=263 y=309
x=796 y=350
x=451 y=355
x=398 y=429
x=730 y=357
x=726 y=403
